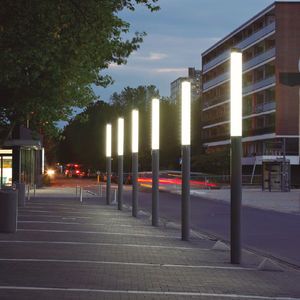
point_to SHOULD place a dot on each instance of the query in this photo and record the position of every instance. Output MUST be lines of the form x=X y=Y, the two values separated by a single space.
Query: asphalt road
x=269 y=232
x=272 y=233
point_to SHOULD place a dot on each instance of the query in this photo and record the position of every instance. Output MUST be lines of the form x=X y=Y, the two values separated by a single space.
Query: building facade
x=270 y=43
x=194 y=76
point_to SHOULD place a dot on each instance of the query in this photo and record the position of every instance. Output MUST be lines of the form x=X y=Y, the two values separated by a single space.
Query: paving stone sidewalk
x=65 y=249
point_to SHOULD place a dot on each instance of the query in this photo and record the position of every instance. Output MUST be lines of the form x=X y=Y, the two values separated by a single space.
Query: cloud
x=156 y=56
x=171 y=70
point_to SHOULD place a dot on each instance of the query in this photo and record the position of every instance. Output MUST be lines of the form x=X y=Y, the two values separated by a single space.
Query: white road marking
x=125 y=263
x=97 y=232
x=102 y=244
x=132 y=292
x=78 y=223
x=46 y=216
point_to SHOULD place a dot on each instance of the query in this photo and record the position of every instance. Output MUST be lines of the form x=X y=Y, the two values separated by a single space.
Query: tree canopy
x=85 y=142
x=53 y=51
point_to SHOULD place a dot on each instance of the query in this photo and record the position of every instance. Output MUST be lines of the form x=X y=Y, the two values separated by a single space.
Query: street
x=271 y=233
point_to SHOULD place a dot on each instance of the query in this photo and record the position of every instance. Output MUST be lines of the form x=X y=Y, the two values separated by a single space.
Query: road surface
x=272 y=233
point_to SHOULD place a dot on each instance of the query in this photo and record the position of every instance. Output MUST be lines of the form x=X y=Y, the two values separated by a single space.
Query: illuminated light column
x=236 y=153
x=43 y=161
x=155 y=162
x=108 y=162
x=120 y=162
x=186 y=160
x=135 y=148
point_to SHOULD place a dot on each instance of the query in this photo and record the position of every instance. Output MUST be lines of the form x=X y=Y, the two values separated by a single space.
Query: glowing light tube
x=186 y=113
x=155 y=124
x=236 y=93
x=120 y=136
x=108 y=140
x=135 y=131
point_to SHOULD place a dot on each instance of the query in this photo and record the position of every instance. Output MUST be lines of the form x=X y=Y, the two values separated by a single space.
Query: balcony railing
x=259 y=84
x=215 y=120
x=247 y=65
x=216 y=80
x=259 y=59
x=243 y=44
x=259 y=131
x=216 y=60
x=264 y=107
x=214 y=101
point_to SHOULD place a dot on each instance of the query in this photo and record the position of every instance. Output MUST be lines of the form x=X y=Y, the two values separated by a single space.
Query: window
x=258 y=74
x=258 y=25
x=270 y=43
x=258 y=49
x=270 y=69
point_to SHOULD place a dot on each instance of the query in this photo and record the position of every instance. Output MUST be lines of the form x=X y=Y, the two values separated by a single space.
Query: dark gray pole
x=120 y=182
x=185 y=192
x=134 y=184
x=155 y=187
x=236 y=198
x=108 y=180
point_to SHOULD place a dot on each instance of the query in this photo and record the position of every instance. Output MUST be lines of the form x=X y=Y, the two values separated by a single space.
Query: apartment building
x=270 y=43
x=194 y=76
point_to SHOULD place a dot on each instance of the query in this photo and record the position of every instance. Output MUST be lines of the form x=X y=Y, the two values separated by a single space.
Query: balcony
x=216 y=60
x=216 y=120
x=259 y=84
x=259 y=59
x=216 y=80
x=214 y=101
x=256 y=36
x=243 y=44
x=247 y=65
x=264 y=107
x=259 y=131
x=217 y=138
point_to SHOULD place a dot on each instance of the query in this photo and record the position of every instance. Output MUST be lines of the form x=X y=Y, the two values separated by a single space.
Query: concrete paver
x=67 y=250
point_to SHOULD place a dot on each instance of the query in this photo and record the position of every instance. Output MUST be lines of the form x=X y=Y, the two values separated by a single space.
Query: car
x=75 y=170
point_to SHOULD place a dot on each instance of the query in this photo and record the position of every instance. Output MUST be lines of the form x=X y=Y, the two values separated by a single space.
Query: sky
x=176 y=37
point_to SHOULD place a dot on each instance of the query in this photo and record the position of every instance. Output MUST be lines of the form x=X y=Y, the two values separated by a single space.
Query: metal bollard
x=34 y=190
x=76 y=189
x=80 y=194
x=28 y=192
x=100 y=190
x=115 y=200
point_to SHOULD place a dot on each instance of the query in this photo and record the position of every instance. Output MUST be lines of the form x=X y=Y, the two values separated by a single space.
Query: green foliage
x=53 y=51
x=85 y=142
x=214 y=163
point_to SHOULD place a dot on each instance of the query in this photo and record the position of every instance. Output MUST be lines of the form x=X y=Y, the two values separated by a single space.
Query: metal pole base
x=236 y=199
x=185 y=192
x=108 y=181
x=134 y=184
x=155 y=187
x=120 y=182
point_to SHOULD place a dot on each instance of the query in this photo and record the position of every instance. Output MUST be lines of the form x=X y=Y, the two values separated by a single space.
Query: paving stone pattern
x=67 y=250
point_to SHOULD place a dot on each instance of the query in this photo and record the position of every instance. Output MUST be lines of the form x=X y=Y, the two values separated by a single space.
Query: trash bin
x=21 y=194
x=8 y=210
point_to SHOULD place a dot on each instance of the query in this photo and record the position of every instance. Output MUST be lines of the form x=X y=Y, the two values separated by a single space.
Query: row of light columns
x=236 y=154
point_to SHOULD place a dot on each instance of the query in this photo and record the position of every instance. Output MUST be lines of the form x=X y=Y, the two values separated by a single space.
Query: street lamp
x=236 y=153
x=120 y=162
x=155 y=161
x=135 y=148
x=186 y=161
x=108 y=162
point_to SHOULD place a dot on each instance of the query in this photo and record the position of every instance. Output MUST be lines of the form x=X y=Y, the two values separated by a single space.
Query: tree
x=53 y=51
x=85 y=141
